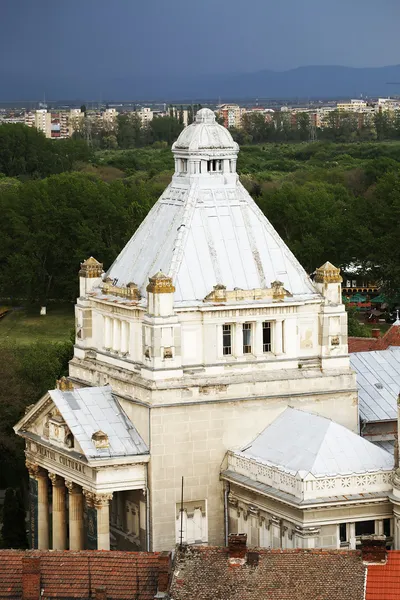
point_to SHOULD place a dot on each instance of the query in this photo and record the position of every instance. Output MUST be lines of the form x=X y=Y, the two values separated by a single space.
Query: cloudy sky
x=87 y=40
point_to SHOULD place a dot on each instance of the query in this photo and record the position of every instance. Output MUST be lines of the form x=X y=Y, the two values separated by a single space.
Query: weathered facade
x=205 y=328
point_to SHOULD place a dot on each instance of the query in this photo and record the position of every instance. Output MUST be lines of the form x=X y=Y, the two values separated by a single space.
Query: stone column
x=116 y=335
x=258 y=338
x=43 y=510
x=102 y=505
x=124 y=337
x=107 y=333
x=75 y=498
x=59 y=513
x=238 y=341
x=278 y=343
x=352 y=536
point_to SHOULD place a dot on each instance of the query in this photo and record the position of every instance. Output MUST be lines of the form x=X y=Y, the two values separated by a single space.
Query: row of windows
x=247 y=330
x=213 y=166
x=363 y=528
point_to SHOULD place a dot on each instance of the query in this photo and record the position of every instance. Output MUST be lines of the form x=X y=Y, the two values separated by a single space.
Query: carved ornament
x=91 y=268
x=160 y=284
x=129 y=291
x=56 y=480
x=220 y=294
x=64 y=385
x=328 y=273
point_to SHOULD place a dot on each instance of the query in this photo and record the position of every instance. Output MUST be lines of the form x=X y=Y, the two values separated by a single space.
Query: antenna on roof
x=181 y=530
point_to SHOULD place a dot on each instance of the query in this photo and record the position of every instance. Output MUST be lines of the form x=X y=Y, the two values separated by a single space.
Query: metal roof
x=91 y=409
x=378 y=381
x=301 y=442
x=203 y=237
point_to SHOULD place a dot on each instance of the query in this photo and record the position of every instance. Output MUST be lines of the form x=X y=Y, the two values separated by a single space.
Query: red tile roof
x=383 y=581
x=124 y=575
x=391 y=338
x=207 y=573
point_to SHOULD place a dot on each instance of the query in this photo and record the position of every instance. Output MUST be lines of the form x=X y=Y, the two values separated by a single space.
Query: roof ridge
x=183 y=230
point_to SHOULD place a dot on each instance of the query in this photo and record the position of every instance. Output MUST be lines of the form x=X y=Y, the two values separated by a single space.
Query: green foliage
x=13 y=531
x=26 y=152
x=354 y=327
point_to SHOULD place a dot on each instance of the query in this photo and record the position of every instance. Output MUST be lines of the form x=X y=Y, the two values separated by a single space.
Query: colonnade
x=68 y=524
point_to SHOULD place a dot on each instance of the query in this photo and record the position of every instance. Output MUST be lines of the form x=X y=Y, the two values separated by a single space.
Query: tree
x=165 y=129
x=13 y=532
x=83 y=109
x=180 y=118
x=129 y=130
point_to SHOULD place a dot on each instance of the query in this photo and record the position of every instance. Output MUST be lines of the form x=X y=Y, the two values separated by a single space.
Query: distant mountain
x=303 y=82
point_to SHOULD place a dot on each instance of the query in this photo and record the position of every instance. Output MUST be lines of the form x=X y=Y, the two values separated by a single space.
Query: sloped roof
x=205 y=573
x=203 y=237
x=92 y=409
x=301 y=442
x=383 y=581
x=378 y=381
x=68 y=574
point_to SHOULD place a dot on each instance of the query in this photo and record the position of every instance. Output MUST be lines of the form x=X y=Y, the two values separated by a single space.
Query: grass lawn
x=25 y=325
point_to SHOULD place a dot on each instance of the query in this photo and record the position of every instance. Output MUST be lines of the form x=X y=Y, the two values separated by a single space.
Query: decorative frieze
x=309 y=487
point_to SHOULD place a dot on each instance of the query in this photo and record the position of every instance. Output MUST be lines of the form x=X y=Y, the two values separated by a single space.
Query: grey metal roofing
x=205 y=134
x=268 y=490
x=301 y=442
x=90 y=409
x=387 y=445
x=378 y=381
x=204 y=237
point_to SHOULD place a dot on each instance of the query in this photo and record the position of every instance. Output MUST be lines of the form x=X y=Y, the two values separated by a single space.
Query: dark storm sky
x=85 y=42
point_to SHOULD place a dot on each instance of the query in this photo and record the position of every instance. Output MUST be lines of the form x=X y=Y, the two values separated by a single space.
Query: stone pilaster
x=102 y=505
x=59 y=513
x=75 y=503
x=101 y=520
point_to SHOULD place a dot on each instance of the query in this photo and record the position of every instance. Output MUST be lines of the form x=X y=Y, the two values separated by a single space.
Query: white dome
x=205 y=134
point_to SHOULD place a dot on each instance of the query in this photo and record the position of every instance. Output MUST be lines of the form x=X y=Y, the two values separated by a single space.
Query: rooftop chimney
x=237 y=547
x=30 y=578
x=373 y=549
x=376 y=333
x=164 y=571
x=100 y=593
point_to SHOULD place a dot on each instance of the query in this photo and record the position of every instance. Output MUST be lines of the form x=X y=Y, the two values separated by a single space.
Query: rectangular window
x=343 y=532
x=386 y=527
x=227 y=339
x=365 y=528
x=267 y=338
x=246 y=338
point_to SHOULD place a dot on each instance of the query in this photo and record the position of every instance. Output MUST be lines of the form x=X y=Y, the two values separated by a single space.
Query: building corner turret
x=161 y=330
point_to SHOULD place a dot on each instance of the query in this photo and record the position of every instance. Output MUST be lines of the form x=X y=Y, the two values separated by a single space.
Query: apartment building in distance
x=146 y=115
x=41 y=119
x=231 y=114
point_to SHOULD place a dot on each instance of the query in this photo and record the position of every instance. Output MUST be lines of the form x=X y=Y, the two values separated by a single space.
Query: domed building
x=204 y=339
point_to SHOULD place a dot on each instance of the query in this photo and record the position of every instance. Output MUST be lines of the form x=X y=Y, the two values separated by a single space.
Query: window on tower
x=267 y=337
x=227 y=339
x=246 y=338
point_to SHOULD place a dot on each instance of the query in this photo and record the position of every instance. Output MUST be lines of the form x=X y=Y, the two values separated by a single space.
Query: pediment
x=45 y=421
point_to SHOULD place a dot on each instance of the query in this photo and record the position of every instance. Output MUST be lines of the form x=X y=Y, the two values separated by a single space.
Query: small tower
x=89 y=276
x=328 y=282
x=333 y=317
x=160 y=295
x=161 y=330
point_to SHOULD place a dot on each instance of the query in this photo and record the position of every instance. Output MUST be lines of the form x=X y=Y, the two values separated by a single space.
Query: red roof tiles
x=207 y=573
x=391 y=338
x=383 y=581
x=124 y=575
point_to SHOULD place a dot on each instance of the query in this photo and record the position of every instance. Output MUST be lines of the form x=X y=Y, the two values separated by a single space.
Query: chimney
x=237 y=548
x=164 y=571
x=373 y=549
x=100 y=593
x=30 y=578
x=376 y=333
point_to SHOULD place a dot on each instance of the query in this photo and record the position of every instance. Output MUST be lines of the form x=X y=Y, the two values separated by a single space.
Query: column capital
x=101 y=500
x=56 y=480
x=73 y=488
x=33 y=468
